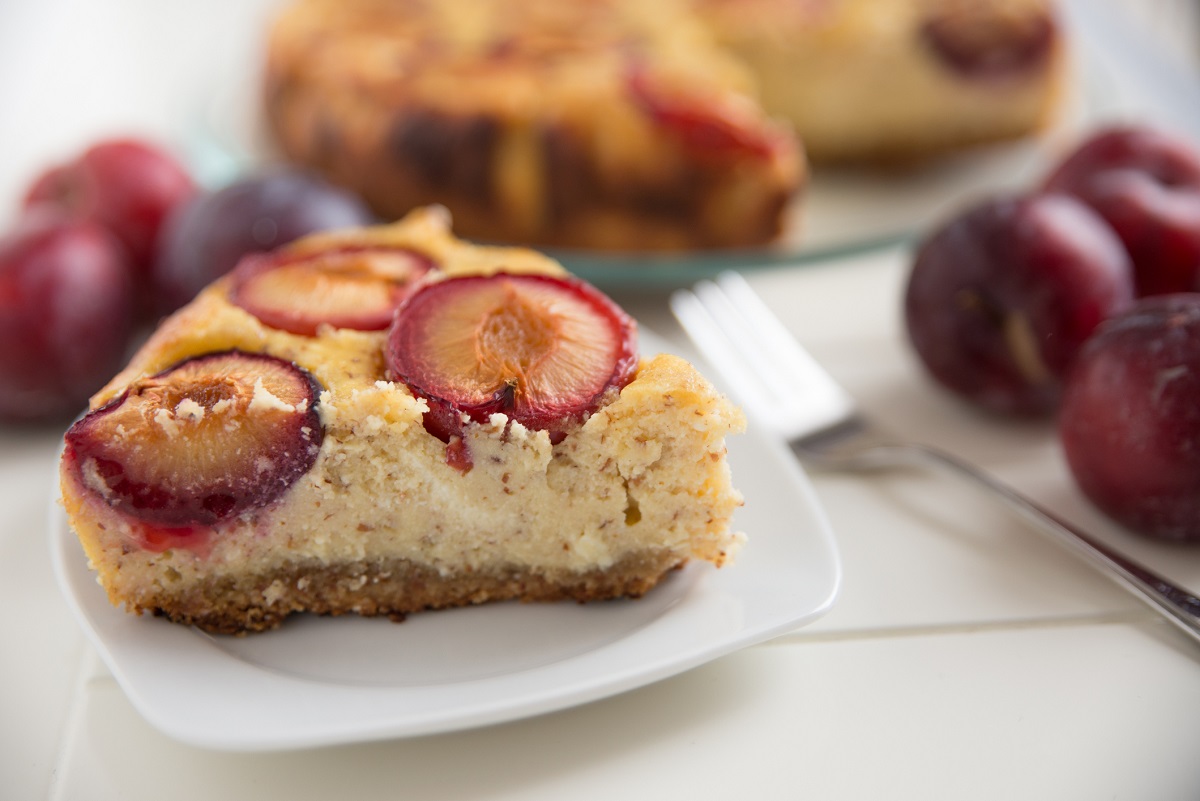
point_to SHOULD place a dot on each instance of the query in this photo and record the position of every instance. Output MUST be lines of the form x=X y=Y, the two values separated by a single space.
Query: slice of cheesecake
x=387 y=420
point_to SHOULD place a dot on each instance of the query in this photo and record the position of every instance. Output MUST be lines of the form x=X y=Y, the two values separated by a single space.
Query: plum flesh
x=542 y=350
x=200 y=442
x=350 y=287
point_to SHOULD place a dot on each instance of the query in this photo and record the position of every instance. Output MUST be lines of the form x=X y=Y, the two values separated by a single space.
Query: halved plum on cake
x=352 y=287
x=541 y=350
x=274 y=449
x=208 y=439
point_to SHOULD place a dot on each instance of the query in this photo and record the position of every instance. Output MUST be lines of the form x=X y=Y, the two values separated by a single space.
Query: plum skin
x=1145 y=183
x=67 y=304
x=1130 y=420
x=127 y=185
x=1000 y=298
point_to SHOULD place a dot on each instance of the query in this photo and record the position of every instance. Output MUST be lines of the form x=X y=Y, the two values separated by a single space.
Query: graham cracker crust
x=252 y=602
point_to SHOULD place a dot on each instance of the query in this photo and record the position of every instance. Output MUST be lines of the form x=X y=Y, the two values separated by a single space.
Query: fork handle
x=1175 y=603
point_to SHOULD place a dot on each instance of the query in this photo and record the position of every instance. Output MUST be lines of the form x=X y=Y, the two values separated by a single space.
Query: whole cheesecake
x=387 y=420
x=614 y=124
x=630 y=126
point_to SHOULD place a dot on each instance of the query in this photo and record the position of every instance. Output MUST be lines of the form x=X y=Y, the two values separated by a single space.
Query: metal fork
x=784 y=388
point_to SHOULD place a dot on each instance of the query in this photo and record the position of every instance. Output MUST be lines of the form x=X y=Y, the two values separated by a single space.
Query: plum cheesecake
x=385 y=420
x=615 y=124
x=629 y=125
x=882 y=81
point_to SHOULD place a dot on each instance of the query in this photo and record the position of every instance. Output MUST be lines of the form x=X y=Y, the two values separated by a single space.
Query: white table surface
x=965 y=657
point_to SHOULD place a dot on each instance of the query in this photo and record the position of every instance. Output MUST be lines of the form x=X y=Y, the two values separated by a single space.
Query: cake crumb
x=263 y=400
x=167 y=422
x=189 y=410
x=273 y=593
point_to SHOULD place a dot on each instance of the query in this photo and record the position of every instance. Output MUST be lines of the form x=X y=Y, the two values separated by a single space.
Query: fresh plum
x=206 y=237
x=1130 y=421
x=714 y=125
x=1000 y=299
x=127 y=185
x=66 y=314
x=1146 y=184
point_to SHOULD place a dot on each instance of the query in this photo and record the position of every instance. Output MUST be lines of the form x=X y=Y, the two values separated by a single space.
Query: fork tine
x=751 y=350
x=772 y=375
x=796 y=372
x=706 y=326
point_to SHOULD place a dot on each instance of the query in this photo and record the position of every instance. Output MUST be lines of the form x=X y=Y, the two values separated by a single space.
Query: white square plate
x=322 y=681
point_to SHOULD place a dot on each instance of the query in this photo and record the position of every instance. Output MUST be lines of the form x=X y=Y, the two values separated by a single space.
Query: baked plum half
x=542 y=350
x=713 y=124
x=201 y=442
x=351 y=287
x=990 y=42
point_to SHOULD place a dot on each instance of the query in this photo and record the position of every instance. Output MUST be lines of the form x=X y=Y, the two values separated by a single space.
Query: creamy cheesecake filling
x=383 y=493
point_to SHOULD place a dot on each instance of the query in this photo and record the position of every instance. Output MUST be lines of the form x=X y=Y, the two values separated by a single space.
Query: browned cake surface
x=607 y=124
x=625 y=125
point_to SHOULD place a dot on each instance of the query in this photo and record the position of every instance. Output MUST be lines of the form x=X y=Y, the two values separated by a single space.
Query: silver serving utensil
x=783 y=388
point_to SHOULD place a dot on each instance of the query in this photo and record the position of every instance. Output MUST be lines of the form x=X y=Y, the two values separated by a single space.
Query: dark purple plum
x=127 y=185
x=1130 y=419
x=201 y=442
x=1146 y=184
x=1000 y=299
x=67 y=307
x=206 y=238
